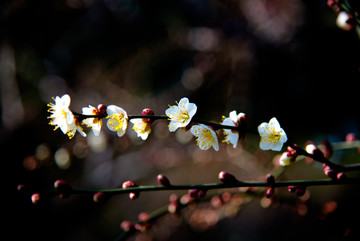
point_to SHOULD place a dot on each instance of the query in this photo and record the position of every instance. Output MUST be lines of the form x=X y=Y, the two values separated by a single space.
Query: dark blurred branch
x=319 y=156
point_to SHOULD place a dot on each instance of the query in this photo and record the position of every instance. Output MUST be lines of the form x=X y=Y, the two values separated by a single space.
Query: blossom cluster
x=272 y=136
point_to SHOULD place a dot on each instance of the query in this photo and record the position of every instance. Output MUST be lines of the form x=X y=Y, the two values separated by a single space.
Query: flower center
x=141 y=127
x=116 y=121
x=183 y=116
x=273 y=136
x=205 y=139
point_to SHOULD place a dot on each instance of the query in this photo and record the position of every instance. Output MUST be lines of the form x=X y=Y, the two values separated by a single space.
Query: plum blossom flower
x=272 y=135
x=180 y=115
x=94 y=123
x=234 y=119
x=142 y=128
x=206 y=137
x=62 y=117
x=117 y=119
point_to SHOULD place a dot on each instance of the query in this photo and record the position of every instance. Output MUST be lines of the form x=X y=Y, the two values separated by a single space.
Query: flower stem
x=211 y=186
x=324 y=160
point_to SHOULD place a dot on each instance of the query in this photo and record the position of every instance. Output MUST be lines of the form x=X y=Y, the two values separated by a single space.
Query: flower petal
x=233 y=116
x=191 y=108
x=275 y=123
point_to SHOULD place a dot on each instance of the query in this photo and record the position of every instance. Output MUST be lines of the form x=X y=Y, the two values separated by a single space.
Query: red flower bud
x=270 y=179
x=133 y=195
x=101 y=109
x=99 y=197
x=147 y=111
x=128 y=184
x=63 y=188
x=35 y=198
x=227 y=178
x=269 y=192
x=163 y=180
x=127 y=226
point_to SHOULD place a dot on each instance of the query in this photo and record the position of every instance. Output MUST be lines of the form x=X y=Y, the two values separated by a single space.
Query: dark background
x=266 y=58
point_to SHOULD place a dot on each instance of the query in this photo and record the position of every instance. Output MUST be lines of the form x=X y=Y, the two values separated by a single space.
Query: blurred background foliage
x=263 y=57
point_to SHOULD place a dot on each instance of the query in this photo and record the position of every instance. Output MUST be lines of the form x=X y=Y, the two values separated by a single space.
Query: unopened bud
x=270 y=179
x=63 y=188
x=350 y=137
x=242 y=119
x=143 y=217
x=101 y=109
x=193 y=193
x=163 y=180
x=314 y=150
x=344 y=21
x=99 y=197
x=127 y=226
x=201 y=193
x=242 y=124
x=227 y=178
x=269 y=192
x=327 y=149
x=128 y=184
x=330 y=172
x=197 y=193
x=330 y=3
x=133 y=195
x=35 y=198
x=147 y=111
x=341 y=176
x=21 y=187
x=292 y=188
x=173 y=207
x=286 y=159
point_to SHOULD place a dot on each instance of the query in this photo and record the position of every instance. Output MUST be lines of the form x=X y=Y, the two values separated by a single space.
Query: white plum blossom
x=232 y=136
x=272 y=135
x=142 y=128
x=181 y=114
x=62 y=117
x=206 y=137
x=94 y=123
x=117 y=119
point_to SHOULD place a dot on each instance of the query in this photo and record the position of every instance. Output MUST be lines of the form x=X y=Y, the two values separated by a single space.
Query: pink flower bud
x=269 y=192
x=344 y=21
x=101 y=109
x=173 y=207
x=127 y=226
x=128 y=184
x=21 y=187
x=292 y=188
x=331 y=3
x=315 y=151
x=327 y=149
x=197 y=193
x=147 y=111
x=163 y=180
x=143 y=216
x=99 y=197
x=350 y=137
x=133 y=195
x=35 y=198
x=330 y=172
x=201 y=193
x=227 y=178
x=193 y=193
x=341 y=176
x=242 y=120
x=270 y=179
x=63 y=188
